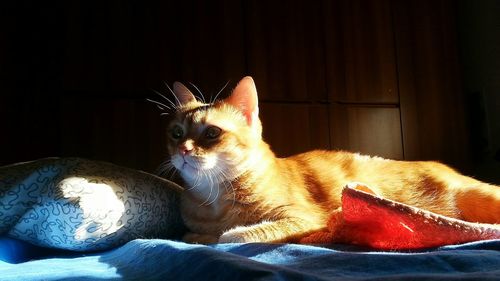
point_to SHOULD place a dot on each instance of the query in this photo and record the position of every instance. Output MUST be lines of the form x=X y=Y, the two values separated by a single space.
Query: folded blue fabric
x=171 y=260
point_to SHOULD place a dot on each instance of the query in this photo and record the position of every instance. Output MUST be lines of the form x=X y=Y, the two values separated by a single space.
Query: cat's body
x=238 y=191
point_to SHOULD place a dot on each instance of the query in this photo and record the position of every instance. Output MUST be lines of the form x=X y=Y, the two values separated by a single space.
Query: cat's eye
x=176 y=132
x=212 y=132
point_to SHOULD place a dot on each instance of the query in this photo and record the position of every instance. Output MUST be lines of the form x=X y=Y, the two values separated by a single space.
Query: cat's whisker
x=217 y=95
x=201 y=96
x=216 y=195
x=195 y=185
x=211 y=189
x=164 y=97
x=197 y=181
x=162 y=167
x=172 y=104
x=172 y=172
x=234 y=195
x=161 y=170
x=228 y=164
x=166 y=170
x=162 y=106
x=228 y=187
x=199 y=175
x=232 y=191
x=175 y=96
x=215 y=185
x=225 y=180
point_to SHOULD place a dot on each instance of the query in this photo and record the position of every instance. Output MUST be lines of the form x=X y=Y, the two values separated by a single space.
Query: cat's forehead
x=196 y=115
x=205 y=114
x=193 y=115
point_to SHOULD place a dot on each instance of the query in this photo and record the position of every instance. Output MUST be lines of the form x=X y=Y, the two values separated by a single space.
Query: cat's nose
x=186 y=148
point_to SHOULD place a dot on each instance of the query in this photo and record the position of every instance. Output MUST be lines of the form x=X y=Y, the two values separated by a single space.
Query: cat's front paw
x=229 y=237
x=238 y=235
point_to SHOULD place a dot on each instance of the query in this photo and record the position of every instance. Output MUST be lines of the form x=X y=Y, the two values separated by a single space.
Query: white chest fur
x=208 y=208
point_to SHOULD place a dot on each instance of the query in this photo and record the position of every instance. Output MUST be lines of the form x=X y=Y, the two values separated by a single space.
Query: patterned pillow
x=84 y=205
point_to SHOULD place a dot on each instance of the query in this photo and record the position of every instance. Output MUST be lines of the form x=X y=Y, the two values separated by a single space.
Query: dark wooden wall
x=374 y=76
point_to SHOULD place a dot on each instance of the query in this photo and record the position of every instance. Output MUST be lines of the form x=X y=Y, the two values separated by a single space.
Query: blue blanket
x=70 y=207
x=172 y=260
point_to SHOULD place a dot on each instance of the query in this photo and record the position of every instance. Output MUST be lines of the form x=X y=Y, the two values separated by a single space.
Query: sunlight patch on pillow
x=83 y=205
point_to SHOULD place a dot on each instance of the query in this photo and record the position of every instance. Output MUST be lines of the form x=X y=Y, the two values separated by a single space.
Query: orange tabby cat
x=238 y=191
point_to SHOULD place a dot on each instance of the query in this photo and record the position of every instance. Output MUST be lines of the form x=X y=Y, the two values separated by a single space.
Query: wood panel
x=285 y=50
x=303 y=56
x=211 y=42
x=30 y=74
x=127 y=132
x=143 y=44
x=132 y=46
x=29 y=130
x=432 y=106
x=295 y=128
x=369 y=130
x=87 y=50
x=360 y=55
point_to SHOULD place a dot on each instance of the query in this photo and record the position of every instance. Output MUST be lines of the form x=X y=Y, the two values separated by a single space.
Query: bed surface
x=157 y=259
x=57 y=204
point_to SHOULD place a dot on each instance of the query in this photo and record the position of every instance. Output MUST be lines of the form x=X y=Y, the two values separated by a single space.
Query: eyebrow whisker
x=202 y=97
x=216 y=96
x=159 y=104
x=170 y=89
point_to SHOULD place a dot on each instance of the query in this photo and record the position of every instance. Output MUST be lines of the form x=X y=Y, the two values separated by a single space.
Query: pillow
x=83 y=205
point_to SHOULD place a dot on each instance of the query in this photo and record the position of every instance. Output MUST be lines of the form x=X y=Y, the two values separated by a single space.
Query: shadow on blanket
x=16 y=251
x=152 y=259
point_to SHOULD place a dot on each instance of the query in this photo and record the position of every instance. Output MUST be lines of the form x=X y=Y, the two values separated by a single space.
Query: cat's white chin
x=188 y=169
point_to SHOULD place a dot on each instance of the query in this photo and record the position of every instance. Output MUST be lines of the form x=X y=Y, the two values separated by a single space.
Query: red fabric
x=369 y=220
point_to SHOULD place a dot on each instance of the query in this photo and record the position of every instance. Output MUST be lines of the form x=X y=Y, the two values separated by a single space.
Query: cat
x=237 y=190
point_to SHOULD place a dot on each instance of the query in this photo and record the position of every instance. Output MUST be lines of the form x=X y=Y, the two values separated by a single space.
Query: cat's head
x=214 y=142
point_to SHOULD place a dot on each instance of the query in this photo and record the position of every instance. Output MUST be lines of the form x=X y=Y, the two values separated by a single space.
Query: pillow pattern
x=83 y=205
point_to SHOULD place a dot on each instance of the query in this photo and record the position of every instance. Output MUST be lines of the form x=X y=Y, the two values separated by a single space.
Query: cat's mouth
x=193 y=166
x=188 y=167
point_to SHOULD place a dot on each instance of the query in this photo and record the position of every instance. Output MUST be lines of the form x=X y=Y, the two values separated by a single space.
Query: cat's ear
x=244 y=98
x=183 y=94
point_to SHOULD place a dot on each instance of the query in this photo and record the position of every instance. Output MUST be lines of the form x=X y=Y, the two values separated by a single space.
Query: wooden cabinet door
x=123 y=131
x=211 y=44
x=285 y=55
x=360 y=53
x=432 y=105
x=362 y=77
x=285 y=51
x=368 y=130
x=293 y=128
